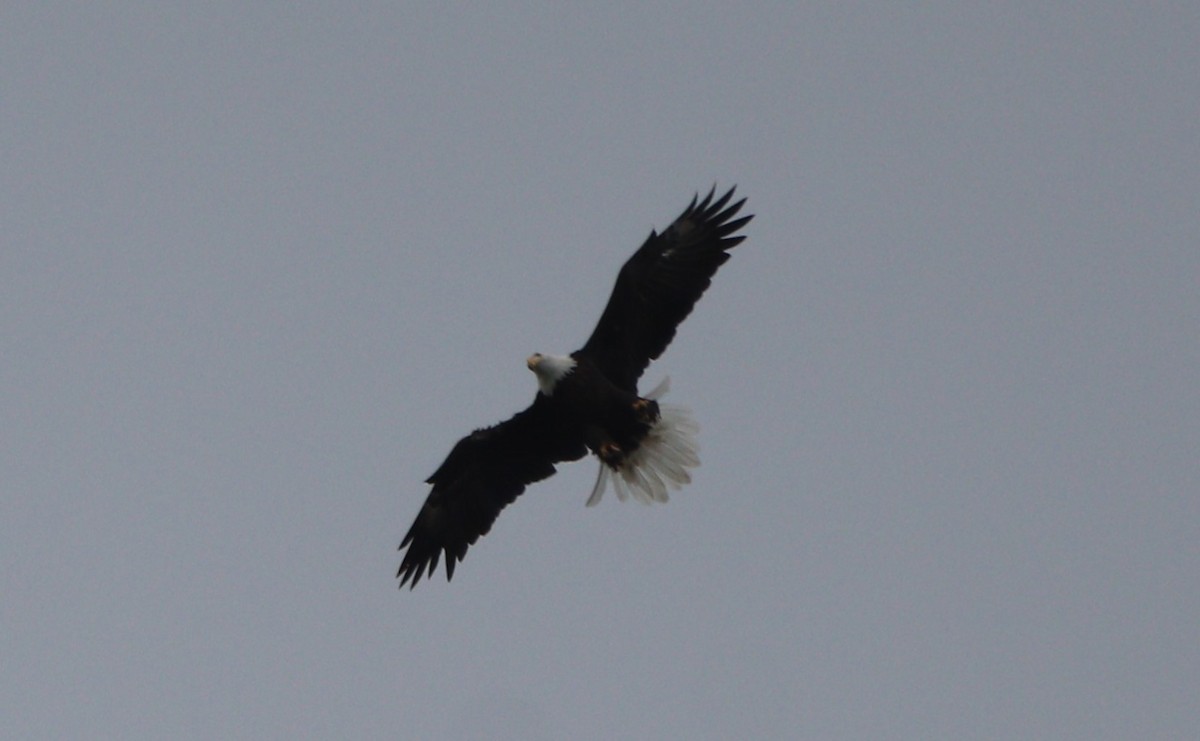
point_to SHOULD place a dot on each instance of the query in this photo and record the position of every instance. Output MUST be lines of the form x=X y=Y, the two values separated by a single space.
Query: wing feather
x=485 y=472
x=660 y=284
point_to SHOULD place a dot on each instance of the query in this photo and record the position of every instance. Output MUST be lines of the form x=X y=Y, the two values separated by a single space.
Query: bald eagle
x=588 y=400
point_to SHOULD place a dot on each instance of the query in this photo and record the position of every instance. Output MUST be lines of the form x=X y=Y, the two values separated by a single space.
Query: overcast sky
x=261 y=264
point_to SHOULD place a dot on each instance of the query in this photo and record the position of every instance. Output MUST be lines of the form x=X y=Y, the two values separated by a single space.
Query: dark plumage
x=588 y=400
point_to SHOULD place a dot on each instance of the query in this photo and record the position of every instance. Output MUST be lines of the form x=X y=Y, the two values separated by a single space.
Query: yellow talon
x=645 y=411
x=611 y=453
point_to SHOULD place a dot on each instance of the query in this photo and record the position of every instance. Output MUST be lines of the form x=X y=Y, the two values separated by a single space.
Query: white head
x=549 y=369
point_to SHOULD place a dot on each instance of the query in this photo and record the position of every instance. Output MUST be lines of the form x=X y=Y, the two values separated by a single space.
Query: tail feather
x=660 y=463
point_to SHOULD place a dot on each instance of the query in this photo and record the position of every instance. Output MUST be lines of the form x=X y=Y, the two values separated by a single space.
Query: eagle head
x=549 y=369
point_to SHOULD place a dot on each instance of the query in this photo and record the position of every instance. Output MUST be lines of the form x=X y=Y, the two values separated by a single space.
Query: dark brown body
x=614 y=421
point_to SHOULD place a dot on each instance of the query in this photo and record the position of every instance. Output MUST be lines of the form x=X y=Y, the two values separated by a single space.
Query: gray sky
x=262 y=265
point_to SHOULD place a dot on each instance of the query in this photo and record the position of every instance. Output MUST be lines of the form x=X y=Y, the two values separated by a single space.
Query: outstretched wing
x=484 y=472
x=657 y=287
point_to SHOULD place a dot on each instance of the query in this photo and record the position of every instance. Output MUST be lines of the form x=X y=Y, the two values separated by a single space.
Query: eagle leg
x=611 y=454
x=646 y=411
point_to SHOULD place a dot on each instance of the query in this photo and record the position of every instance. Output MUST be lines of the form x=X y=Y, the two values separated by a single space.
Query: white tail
x=660 y=462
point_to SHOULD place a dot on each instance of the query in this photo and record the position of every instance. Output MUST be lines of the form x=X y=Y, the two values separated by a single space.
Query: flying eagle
x=588 y=400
